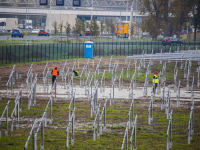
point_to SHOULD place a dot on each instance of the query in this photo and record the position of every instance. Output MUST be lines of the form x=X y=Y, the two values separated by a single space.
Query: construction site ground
x=151 y=137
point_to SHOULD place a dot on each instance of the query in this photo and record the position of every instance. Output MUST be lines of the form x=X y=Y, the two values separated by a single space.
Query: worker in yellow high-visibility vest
x=155 y=81
x=76 y=72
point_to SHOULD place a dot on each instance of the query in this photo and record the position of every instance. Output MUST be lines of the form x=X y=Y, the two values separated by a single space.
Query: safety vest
x=55 y=72
x=155 y=79
x=77 y=72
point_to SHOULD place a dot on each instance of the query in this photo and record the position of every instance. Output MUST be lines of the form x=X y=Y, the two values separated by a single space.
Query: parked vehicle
x=35 y=31
x=3 y=31
x=17 y=32
x=43 y=32
x=27 y=24
x=171 y=41
x=123 y=29
x=8 y=23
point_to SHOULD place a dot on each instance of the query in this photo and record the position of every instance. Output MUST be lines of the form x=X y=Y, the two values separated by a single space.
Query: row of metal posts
x=46 y=69
x=64 y=70
x=190 y=125
x=71 y=121
x=150 y=109
x=46 y=82
x=131 y=137
x=103 y=113
x=130 y=119
x=82 y=75
x=169 y=133
x=175 y=77
x=32 y=93
x=188 y=76
x=129 y=124
x=110 y=64
x=70 y=81
x=5 y=110
x=87 y=83
x=94 y=100
x=74 y=66
x=17 y=109
x=66 y=77
x=72 y=84
x=128 y=70
x=72 y=102
x=120 y=81
x=163 y=97
x=132 y=84
x=42 y=124
x=102 y=89
x=168 y=102
x=54 y=87
x=146 y=82
x=178 y=94
x=11 y=80
x=32 y=132
x=94 y=124
x=29 y=76
x=198 y=82
x=192 y=90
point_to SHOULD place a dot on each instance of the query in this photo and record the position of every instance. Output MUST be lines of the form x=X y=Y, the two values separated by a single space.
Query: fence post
x=32 y=53
x=45 y=52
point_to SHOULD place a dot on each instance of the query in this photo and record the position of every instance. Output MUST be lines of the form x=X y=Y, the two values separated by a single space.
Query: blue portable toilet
x=88 y=49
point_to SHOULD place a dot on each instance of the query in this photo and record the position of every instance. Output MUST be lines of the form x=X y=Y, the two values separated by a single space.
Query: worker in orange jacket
x=54 y=74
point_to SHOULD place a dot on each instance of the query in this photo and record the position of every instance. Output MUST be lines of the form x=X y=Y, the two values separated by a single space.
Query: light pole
x=120 y=28
x=91 y=10
x=25 y=21
x=195 y=23
x=50 y=18
x=131 y=21
x=135 y=17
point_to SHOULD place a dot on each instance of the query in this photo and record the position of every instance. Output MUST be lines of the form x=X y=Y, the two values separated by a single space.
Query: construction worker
x=54 y=73
x=76 y=72
x=155 y=81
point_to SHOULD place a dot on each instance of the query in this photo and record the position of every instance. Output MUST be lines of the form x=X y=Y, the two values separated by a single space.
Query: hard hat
x=155 y=73
x=55 y=66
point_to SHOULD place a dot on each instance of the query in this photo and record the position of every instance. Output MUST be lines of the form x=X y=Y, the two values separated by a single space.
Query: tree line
x=169 y=16
x=81 y=26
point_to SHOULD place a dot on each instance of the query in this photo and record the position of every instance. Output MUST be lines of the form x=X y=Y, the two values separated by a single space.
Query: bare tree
x=60 y=27
x=67 y=28
x=94 y=28
x=153 y=22
x=55 y=26
x=112 y=27
x=101 y=27
x=77 y=28
x=180 y=10
x=83 y=25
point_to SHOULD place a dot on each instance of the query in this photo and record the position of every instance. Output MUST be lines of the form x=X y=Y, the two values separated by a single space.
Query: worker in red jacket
x=54 y=74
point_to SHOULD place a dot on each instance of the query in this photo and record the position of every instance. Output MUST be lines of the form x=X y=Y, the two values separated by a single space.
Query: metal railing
x=10 y=54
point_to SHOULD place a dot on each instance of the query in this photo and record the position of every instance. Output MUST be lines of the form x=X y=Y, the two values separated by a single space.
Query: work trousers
x=154 y=87
x=53 y=79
